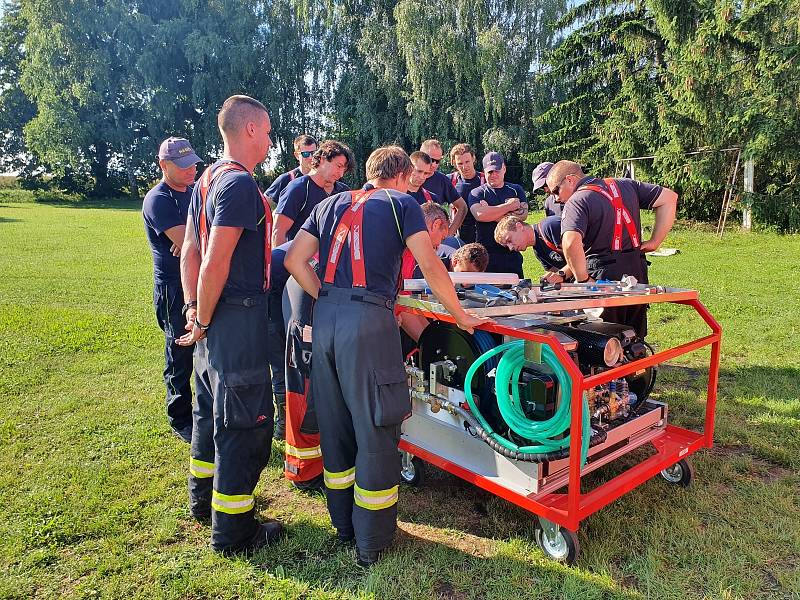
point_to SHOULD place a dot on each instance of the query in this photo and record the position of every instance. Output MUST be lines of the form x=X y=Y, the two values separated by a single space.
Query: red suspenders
x=350 y=224
x=454 y=177
x=205 y=183
x=614 y=196
x=427 y=194
x=547 y=242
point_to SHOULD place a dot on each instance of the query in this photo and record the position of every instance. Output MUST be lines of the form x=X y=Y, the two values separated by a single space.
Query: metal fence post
x=747 y=214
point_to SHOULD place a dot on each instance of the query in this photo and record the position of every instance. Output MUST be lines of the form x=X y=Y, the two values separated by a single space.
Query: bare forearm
x=487 y=214
x=575 y=256
x=440 y=283
x=665 y=219
x=210 y=284
x=307 y=278
x=459 y=214
x=190 y=266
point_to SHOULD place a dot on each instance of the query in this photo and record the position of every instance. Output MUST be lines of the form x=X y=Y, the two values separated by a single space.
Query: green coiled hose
x=507 y=376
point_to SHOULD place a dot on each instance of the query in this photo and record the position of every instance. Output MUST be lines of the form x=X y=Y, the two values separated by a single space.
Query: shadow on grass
x=416 y=566
x=9 y=220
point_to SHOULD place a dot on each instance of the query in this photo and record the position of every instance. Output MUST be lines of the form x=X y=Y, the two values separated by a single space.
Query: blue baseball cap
x=493 y=161
x=539 y=175
x=179 y=151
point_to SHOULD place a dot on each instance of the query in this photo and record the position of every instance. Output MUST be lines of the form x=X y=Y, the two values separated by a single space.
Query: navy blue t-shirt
x=164 y=208
x=280 y=183
x=384 y=237
x=552 y=208
x=591 y=214
x=549 y=230
x=234 y=201
x=464 y=188
x=419 y=196
x=494 y=197
x=299 y=199
x=440 y=184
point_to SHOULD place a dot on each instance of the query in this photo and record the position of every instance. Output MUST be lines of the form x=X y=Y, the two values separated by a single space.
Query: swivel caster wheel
x=558 y=543
x=412 y=469
x=681 y=473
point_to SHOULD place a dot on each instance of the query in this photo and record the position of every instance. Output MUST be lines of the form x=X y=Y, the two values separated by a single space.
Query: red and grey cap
x=539 y=176
x=493 y=161
x=179 y=151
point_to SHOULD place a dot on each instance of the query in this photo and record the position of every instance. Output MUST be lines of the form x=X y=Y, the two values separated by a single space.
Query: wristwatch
x=188 y=305
x=200 y=326
x=562 y=274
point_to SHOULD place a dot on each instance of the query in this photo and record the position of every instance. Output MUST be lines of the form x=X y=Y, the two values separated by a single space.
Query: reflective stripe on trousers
x=313 y=452
x=377 y=499
x=233 y=505
x=341 y=480
x=200 y=468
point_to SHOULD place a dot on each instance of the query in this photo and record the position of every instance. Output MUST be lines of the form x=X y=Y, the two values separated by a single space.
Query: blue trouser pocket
x=392 y=400
x=248 y=399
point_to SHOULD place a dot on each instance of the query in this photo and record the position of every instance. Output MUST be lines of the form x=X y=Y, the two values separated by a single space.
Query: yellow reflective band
x=200 y=468
x=314 y=452
x=341 y=480
x=375 y=500
x=233 y=505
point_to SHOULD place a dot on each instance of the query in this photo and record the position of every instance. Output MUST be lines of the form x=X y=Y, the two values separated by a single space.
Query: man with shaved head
x=601 y=229
x=225 y=268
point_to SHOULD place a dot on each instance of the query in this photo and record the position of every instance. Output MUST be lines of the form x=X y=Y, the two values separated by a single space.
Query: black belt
x=367 y=299
x=242 y=301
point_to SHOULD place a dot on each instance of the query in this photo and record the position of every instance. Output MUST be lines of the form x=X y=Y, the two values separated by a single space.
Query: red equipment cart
x=560 y=513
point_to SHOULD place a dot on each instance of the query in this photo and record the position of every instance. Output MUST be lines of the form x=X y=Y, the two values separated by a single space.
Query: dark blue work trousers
x=168 y=302
x=233 y=420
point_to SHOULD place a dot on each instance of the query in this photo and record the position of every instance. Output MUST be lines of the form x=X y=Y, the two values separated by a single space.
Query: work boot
x=183 y=432
x=280 y=417
x=267 y=533
x=367 y=558
x=312 y=486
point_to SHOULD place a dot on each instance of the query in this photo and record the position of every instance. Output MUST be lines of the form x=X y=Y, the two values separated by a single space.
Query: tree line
x=89 y=88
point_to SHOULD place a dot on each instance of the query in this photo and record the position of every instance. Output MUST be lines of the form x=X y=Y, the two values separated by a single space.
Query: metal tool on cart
x=527 y=406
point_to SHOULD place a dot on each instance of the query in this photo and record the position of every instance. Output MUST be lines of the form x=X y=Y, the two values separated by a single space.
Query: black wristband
x=187 y=306
x=561 y=273
x=200 y=326
x=585 y=280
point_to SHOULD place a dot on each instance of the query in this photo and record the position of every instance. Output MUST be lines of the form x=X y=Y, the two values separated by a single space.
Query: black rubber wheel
x=412 y=469
x=564 y=549
x=681 y=473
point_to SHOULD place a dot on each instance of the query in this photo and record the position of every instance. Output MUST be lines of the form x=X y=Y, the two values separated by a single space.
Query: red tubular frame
x=671 y=446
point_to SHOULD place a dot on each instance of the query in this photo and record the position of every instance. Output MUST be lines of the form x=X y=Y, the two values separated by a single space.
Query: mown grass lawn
x=92 y=483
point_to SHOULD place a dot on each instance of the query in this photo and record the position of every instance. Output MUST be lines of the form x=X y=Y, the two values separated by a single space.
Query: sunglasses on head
x=306 y=153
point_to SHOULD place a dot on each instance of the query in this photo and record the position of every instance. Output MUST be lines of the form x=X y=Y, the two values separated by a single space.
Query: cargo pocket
x=392 y=399
x=248 y=399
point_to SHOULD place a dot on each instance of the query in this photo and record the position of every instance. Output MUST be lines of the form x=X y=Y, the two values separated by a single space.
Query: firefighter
x=545 y=239
x=441 y=185
x=303 y=463
x=164 y=211
x=491 y=202
x=276 y=336
x=601 y=230
x=465 y=179
x=225 y=269
x=360 y=237
x=304 y=147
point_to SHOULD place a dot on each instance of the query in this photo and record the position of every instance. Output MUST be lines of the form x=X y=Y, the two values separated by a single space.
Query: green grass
x=92 y=483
